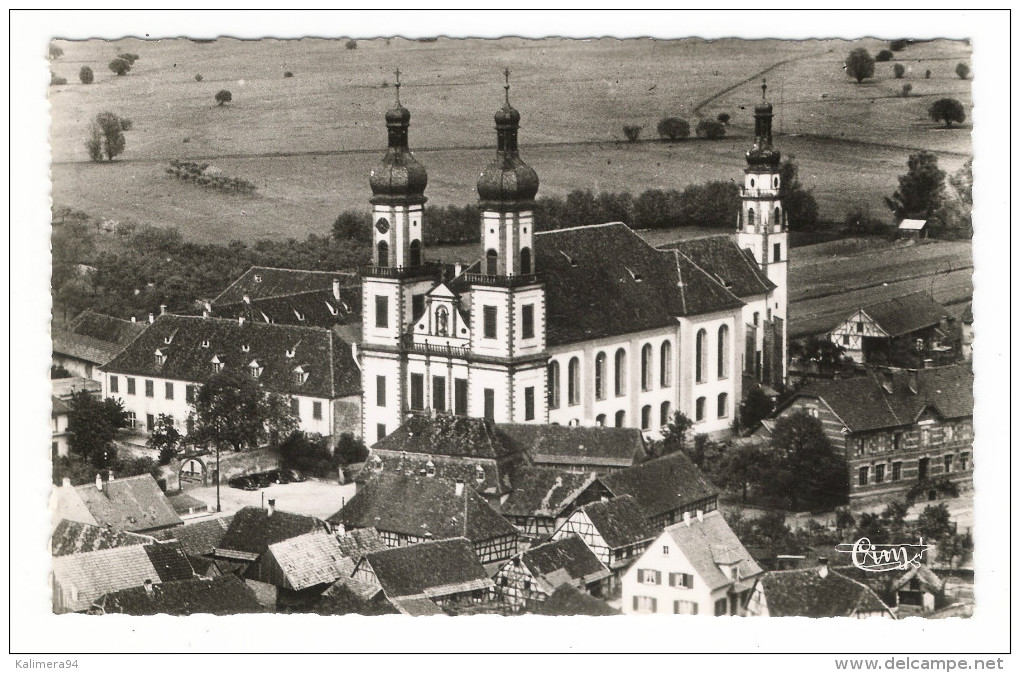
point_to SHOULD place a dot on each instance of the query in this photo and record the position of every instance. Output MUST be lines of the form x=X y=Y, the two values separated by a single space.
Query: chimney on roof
x=148 y=587
x=457 y=269
x=246 y=298
x=240 y=320
x=162 y=309
x=823 y=567
x=109 y=475
x=701 y=515
x=152 y=318
x=99 y=480
x=458 y=490
x=67 y=482
x=687 y=518
x=133 y=319
x=559 y=482
x=339 y=529
x=271 y=506
x=887 y=380
x=912 y=381
x=336 y=289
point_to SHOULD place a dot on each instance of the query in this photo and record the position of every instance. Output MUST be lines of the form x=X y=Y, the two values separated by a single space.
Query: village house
x=897 y=430
x=59 y=411
x=90 y=341
x=74 y=537
x=617 y=530
x=160 y=371
x=695 y=567
x=577 y=448
x=253 y=529
x=408 y=509
x=542 y=499
x=915 y=591
x=226 y=595
x=425 y=578
x=301 y=567
x=533 y=575
x=912 y=229
x=915 y=324
x=813 y=592
x=132 y=504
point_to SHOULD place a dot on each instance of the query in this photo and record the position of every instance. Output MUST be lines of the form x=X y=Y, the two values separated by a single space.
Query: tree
x=947 y=110
x=165 y=438
x=844 y=520
x=130 y=58
x=899 y=45
x=934 y=523
x=898 y=71
x=962 y=70
x=223 y=96
x=768 y=532
x=927 y=74
x=804 y=469
x=350 y=449
x=57 y=81
x=92 y=425
x=883 y=56
x=906 y=89
x=307 y=453
x=711 y=130
x=921 y=190
x=288 y=74
x=86 y=75
x=351 y=44
x=798 y=202
x=740 y=467
x=723 y=117
x=120 y=66
x=352 y=225
x=756 y=407
x=233 y=411
x=55 y=51
x=673 y=129
x=712 y=204
x=632 y=133
x=859 y=64
x=198 y=77
x=59 y=372
x=675 y=436
x=106 y=137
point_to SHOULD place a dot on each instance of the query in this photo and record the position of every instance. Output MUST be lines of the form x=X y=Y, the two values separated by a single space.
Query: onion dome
x=507 y=183
x=399 y=178
x=763 y=154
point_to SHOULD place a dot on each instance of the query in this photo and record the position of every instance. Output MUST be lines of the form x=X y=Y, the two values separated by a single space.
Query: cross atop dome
x=397 y=85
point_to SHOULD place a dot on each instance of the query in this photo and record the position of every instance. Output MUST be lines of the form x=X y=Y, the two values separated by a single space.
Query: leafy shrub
x=947 y=110
x=55 y=51
x=130 y=58
x=898 y=71
x=57 y=81
x=85 y=75
x=899 y=45
x=198 y=77
x=962 y=70
x=673 y=128
x=351 y=44
x=288 y=74
x=859 y=64
x=632 y=133
x=927 y=74
x=883 y=56
x=120 y=66
x=125 y=124
x=710 y=130
x=723 y=117
x=308 y=453
x=223 y=96
x=905 y=91
x=189 y=171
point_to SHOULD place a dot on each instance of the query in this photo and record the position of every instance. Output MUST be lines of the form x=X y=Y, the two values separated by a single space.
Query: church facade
x=586 y=326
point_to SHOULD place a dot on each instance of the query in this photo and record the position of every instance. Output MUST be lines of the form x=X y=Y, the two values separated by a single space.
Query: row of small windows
x=601 y=375
x=722 y=354
x=189 y=393
x=722 y=407
x=492 y=261
x=383 y=253
x=776 y=215
x=878 y=475
x=775 y=183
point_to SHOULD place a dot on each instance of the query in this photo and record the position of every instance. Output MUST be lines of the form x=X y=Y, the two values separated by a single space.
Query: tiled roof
x=417 y=606
x=564 y=560
x=720 y=257
x=902 y=315
x=59 y=407
x=709 y=542
x=576 y=445
x=169 y=560
x=431 y=569
x=278 y=349
x=805 y=593
x=863 y=404
x=223 y=595
x=106 y=328
x=360 y=541
x=662 y=485
x=497 y=475
x=567 y=600
x=315 y=308
x=198 y=538
x=544 y=492
x=310 y=559
x=413 y=505
x=604 y=280
x=447 y=435
x=260 y=282
x=346 y=596
x=253 y=529
x=620 y=521
x=132 y=503
x=83 y=347
x=72 y=537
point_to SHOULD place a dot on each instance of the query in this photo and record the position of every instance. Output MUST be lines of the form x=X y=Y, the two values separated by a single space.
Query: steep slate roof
x=186 y=504
x=805 y=593
x=576 y=445
x=604 y=280
x=131 y=504
x=661 y=485
x=448 y=435
x=863 y=404
x=342 y=598
x=414 y=505
x=315 y=308
x=260 y=282
x=902 y=315
x=59 y=407
x=328 y=360
x=708 y=542
x=430 y=569
x=106 y=328
x=562 y=561
x=544 y=491
x=198 y=538
x=310 y=559
x=498 y=474
x=567 y=600
x=83 y=347
x=223 y=595
x=620 y=521
x=72 y=537
x=360 y=541
x=723 y=259
x=252 y=530
x=169 y=560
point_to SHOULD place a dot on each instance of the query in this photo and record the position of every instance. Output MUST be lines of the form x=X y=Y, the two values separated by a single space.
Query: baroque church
x=588 y=325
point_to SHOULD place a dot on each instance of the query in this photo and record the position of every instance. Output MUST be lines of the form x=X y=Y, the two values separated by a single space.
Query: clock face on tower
x=382 y=225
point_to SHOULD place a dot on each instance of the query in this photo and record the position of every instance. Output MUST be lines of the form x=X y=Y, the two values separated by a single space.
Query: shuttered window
x=417 y=392
x=683 y=580
x=528 y=321
x=489 y=319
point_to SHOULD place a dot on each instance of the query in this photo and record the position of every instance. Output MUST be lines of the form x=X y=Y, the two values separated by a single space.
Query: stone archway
x=193 y=472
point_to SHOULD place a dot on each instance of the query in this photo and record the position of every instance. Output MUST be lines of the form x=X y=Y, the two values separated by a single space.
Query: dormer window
x=217 y=365
x=297 y=314
x=332 y=310
x=254 y=369
x=245 y=348
x=159 y=357
x=258 y=278
x=479 y=474
x=635 y=276
x=430 y=469
x=300 y=375
x=205 y=343
x=290 y=352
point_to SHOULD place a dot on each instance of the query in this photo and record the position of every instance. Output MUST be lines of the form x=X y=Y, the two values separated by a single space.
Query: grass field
x=309 y=141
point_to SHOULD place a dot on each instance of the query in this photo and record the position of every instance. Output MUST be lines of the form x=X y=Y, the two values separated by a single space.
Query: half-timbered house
x=542 y=499
x=915 y=323
x=616 y=530
x=813 y=592
x=532 y=576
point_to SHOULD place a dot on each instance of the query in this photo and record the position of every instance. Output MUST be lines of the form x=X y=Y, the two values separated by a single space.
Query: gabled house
x=695 y=567
x=132 y=504
x=532 y=576
x=665 y=488
x=577 y=448
x=411 y=509
x=225 y=595
x=917 y=590
x=422 y=579
x=617 y=530
x=73 y=537
x=302 y=567
x=813 y=592
x=90 y=341
x=542 y=499
x=199 y=540
x=254 y=529
x=896 y=429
